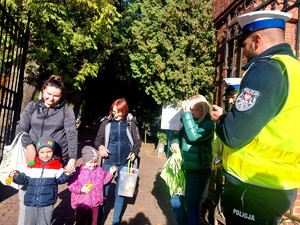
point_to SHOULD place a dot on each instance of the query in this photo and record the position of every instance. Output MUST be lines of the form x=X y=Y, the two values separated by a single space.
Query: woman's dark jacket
x=119 y=138
x=195 y=141
x=42 y=179
x=57 y=122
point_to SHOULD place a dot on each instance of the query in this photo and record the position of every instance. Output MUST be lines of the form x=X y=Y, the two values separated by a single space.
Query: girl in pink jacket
x=86 y=186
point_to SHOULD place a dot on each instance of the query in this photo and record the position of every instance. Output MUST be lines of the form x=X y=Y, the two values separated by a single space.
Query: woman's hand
x=30 y=153
x=103 y=151
x=175 y=147
x=86 y=189
x=70 y=168
x=131 y=156
x=186 y=106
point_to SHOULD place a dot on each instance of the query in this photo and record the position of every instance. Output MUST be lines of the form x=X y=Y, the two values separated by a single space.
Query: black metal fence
x=14 y=36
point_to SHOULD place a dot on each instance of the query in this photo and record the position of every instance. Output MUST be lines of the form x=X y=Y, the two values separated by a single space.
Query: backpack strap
x=36 y=105
x=64 y=110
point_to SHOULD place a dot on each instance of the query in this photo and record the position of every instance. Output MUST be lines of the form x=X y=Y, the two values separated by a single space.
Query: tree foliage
x=67 y=38
x=163 y=48
x=173 y=47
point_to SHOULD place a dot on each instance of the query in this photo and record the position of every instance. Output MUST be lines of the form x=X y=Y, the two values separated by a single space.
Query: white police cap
x=232 y=85
x=263 y=19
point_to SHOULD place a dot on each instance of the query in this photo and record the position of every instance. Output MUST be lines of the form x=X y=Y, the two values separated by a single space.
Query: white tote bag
x=13 y=159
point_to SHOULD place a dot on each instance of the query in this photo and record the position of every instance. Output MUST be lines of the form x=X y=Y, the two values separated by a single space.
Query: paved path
x=149 y=206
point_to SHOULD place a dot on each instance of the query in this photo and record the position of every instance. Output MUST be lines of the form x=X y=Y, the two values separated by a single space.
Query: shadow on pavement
x=63 y=213
x=139 y=219
x=161 y=193
x=6 y=192
x=110 y=200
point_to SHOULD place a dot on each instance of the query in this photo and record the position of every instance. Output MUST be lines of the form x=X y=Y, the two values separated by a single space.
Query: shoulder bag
x=13 y=159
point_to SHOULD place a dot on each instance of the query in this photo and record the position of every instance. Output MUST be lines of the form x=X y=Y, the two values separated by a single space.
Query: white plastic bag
x=173 y=174
x=13 y=159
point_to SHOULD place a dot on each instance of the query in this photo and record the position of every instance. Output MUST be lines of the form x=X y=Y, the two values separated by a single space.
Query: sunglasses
x=116 y=113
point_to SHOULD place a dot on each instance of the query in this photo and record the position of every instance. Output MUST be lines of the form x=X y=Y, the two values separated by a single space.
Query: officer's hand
x=216 y=113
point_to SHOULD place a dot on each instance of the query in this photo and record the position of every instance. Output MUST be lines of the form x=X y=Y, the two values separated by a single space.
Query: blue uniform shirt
x=267 y=87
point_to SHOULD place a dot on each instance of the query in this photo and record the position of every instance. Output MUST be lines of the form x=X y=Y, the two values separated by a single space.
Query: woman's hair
x=201 y=103
x=121 y=105
x=55 y=77
x=55 y=81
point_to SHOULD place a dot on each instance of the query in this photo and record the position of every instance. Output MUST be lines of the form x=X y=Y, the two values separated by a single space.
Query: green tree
x=67 y=38
x=119 y=73
x=173 y=47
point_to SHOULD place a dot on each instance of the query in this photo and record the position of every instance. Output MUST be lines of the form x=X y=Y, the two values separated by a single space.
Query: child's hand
x=86 y=189
x=112 y=169
x=68 y=172
x=13 y=173
x=11 y=177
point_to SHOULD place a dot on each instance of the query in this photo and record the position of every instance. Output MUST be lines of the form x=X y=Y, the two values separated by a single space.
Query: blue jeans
x=178 y=209
x=119 y=200
x=187 y=208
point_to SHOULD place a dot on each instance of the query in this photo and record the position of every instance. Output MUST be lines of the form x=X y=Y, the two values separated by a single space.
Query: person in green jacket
x=195 y=142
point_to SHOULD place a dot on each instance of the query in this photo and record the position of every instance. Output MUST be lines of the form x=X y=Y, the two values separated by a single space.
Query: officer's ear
x=258 y=41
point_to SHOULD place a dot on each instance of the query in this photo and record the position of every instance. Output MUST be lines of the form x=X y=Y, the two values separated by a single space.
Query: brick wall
x=221 y=10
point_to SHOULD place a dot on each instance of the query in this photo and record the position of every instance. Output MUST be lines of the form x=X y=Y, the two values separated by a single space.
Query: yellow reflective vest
x=272 y=159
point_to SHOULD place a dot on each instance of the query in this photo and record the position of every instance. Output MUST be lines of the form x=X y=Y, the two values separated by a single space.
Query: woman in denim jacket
x=118 y=140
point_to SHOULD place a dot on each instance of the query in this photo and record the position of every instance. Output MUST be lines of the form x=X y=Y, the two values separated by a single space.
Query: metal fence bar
x=3 y=78
x=14 y=37
x=9 y=61
x=13 y=71
x=19 y=88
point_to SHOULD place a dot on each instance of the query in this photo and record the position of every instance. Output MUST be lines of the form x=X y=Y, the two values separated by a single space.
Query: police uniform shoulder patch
x=246 y=99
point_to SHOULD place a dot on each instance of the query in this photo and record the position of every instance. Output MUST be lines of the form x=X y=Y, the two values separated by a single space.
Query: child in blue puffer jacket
x=42 y=179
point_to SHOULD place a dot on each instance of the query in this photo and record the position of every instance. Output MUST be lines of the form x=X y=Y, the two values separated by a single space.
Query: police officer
x=231 y=88
x=261 y=157
x=232 y=85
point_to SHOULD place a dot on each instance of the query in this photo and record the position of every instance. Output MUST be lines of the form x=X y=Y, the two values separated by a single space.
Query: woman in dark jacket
x=195 y=138
x=118 y=141
x=49 y=116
